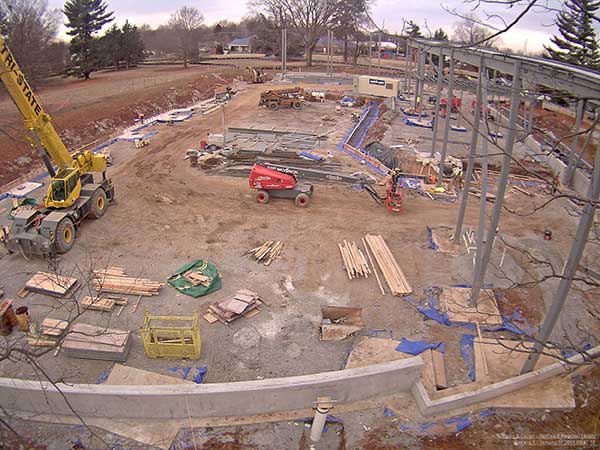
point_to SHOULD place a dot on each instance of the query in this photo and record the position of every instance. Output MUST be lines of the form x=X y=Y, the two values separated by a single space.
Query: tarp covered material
x=418 y=347
x=416 y=123
x=461 y=422
x=432 y=243
x=199 y=266
x=467 y=352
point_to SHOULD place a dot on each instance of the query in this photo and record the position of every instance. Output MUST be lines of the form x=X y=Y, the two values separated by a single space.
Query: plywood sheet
x=445 y=245
x=121 y=375
x=455 y=302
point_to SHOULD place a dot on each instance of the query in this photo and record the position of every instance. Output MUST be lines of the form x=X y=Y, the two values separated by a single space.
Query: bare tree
x=310 y=18
x=30 y=27
x=470 y=30
x=186 y=21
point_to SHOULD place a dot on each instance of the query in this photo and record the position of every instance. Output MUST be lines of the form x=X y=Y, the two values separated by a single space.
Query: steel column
x=436 y=119
x=464 y=199
x=570 y=170
x=406 y=84
x=448 y=120
x=481 y=268
x=581 y=236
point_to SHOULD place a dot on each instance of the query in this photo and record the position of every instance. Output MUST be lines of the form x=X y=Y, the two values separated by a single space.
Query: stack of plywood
x=51 y=284
x=114 y=279
x=53 y=327
x=243 y=303
x=91 y=342
x=392 y=273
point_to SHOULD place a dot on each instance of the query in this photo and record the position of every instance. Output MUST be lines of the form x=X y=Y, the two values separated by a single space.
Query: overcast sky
x=531 y=33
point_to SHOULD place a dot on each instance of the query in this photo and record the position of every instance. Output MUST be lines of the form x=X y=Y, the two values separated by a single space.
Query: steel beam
x=567 y=178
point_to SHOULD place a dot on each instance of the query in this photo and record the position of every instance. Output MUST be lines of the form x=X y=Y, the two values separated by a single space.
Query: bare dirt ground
x=216 y=218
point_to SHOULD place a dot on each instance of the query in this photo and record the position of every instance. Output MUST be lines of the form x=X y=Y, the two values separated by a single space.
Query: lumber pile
x=53 y=327
x=354 y=260
x=51 y=284
x=243 y=303
x=91 y=342
x=114 y=279
x=102 y=304
x=267 y=252
x=392 y=273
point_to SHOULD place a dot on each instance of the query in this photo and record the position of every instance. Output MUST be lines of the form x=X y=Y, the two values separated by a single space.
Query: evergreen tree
x=132 y=44
x=413 y=30
x=440 y=35
x=84 y=19
x=577 y=42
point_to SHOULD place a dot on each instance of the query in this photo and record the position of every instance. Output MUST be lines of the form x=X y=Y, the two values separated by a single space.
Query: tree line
x=31 y=29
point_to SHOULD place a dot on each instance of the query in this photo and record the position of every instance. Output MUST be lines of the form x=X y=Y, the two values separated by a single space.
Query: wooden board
x=51 y=284
x=235 y=306
x=439 y=369
x=98 y=304
x=87 y=350
x=455 y=302
x=91 y=333
x=210 y=317
x=53 y=327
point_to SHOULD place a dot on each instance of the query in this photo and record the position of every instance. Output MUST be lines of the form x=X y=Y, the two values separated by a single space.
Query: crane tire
x=262 y=197
x=274 y=106
x=65 y=235
x=296 y=105
x=98 y=204
x=302 y=200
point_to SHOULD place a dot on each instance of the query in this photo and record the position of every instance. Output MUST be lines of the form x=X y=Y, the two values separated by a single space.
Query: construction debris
x=392 y=273
x=51 y=284
x=114 y=279
x=91 y=342
x=354 y=260
x=267 y=253
x=243 y=303
x=340 y=322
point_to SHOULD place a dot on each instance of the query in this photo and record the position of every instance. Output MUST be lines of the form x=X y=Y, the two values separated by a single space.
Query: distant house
x=241 y=45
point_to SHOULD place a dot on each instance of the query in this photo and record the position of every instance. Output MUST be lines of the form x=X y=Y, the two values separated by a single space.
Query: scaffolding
x=171 y=336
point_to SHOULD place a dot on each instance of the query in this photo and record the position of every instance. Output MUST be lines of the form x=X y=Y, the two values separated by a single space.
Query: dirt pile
x=99 y=120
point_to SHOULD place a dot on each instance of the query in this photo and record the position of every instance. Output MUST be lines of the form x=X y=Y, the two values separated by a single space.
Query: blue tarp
x=432 y=244
x=183 y=372
x=307 y=155
x=461 y=422
x=418 y=347
x=199 y=378
x=387 y=412
x=103 y=377
x=412 y=123
x=468 y=354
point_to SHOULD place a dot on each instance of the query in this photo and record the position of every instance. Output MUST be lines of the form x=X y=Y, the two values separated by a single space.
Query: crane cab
x=64 y=188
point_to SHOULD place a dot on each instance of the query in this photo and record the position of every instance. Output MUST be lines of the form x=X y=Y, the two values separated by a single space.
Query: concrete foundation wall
x=210 y=400
x=431 y=407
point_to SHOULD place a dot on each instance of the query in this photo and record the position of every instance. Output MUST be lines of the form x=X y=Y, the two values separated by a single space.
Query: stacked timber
x=267 y=252
x=102 y=304
x=354 y=260
x=51 y=284
x=53 y=327
x=244 y=303
x=91 y=342
x=114 y=279
x=388 y=265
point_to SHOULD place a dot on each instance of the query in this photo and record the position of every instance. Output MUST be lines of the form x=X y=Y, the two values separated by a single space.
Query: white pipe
x=318 y=424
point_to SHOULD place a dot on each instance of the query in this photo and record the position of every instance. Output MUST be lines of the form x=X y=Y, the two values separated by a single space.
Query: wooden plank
x=40 y=342
x=23 y=293
x=245 y=298
x=439 y=369
x=251 y=313
x=51 y=284
x=210 y=317
x=84 y=332
x=98 y=304
x=235 y=306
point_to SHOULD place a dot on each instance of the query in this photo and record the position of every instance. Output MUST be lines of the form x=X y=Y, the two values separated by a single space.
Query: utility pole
x=379 y=52
x=370 y=51
x=448 y=121
x=560 y=296
x=283 y=51
x=484 y=171
x=464 y=199
x=481 y=268
x=436 y=120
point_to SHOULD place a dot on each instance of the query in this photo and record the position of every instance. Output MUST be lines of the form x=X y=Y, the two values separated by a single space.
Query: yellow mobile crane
x=72 y=194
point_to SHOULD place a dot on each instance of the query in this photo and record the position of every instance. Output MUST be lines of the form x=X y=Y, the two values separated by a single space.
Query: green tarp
x=200 y=266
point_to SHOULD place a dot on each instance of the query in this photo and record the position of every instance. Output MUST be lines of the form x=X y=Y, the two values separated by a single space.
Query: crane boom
x=36 y=120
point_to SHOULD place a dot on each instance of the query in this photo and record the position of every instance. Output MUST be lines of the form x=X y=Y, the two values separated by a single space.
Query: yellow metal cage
x=171 y=336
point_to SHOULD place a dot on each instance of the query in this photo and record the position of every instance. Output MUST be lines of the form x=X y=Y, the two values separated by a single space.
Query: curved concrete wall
x=213 y=399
